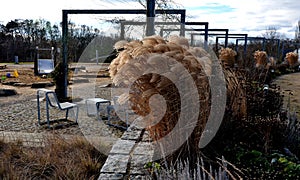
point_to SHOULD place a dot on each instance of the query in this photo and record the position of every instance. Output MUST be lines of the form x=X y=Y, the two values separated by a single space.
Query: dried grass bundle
x=170 y=57
x=261 y=58
x=292 y=58
x=227 y=56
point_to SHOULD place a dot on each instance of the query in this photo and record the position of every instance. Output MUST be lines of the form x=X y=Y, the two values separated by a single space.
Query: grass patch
x=59 y=159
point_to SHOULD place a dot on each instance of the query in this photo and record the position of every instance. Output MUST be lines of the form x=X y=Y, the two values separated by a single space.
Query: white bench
x=96 y=102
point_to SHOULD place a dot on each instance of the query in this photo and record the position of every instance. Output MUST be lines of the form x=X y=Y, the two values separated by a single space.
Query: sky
x=239 y=16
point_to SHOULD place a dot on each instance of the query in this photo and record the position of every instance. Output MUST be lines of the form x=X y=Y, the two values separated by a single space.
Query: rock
x=21 y=84
x=41 y=84
x=8 y=92
x=80 y=80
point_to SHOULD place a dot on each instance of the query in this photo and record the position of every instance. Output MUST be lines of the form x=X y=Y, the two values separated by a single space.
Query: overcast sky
x=239 y=16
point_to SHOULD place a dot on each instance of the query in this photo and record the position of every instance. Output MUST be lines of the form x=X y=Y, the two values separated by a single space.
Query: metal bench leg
x=98 y=111
x=109 y=108
x=38 y=106
x=67 y=114
x=76 y=116
x=48 y=115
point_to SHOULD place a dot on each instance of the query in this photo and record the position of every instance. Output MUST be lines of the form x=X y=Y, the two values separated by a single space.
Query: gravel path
x=290 y=88
x=18 y=113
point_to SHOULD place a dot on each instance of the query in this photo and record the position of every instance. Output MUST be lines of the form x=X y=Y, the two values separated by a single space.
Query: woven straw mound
x=227 y=56
x=261 y=58
x=134 y=66
x=292 y=58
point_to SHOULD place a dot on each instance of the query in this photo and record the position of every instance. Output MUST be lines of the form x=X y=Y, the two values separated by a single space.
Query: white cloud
x=239 y=16
x=255 y=15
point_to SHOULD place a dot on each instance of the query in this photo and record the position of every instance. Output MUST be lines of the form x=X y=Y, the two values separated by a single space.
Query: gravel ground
x=19 y=112
x=290 y=88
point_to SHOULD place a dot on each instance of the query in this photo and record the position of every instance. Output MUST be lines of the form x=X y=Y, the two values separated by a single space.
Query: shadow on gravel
x=59 y=124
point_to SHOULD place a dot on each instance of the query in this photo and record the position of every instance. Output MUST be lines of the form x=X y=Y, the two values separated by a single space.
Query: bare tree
x=272 y=33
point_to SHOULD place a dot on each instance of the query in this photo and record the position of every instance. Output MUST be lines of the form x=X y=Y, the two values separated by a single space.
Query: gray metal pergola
x=209 y=34
x=150 y=12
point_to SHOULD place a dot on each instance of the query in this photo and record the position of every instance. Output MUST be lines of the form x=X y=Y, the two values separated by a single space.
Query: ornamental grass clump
x=261 y=59
x=154 y=67
x=227 y=56
x=292 y=58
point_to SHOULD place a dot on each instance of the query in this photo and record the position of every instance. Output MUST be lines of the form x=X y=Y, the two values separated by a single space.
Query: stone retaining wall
x=128 y=156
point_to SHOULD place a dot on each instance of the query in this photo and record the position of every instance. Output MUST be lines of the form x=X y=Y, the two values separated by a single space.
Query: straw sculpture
x=261 y=59
x=292 y=58
x=227 y=56
x=142 y=57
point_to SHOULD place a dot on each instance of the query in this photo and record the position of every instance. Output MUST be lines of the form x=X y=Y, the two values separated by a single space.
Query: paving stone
x=138 y=162
x=106 y=176
x=116 y=163
x=131 y=135
x=122 y=147
x=146 y=137
x=140 y=177
x=144 y=148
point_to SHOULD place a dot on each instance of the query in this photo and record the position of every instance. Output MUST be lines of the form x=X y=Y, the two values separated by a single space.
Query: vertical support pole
x=226 y=38
x=217 y=43
x=246 y=42
x=182 y=24
x=282 y=51
x=192 y=40
x=65 y=52
x=264 y=44
x=206 y=37
x=38 y=106
x=150 y=17
x=52 y=53
x=97 y=57
x=161 y=33
x=122 y=31
x=278 y=48
x=236 y=45
x=36 y=60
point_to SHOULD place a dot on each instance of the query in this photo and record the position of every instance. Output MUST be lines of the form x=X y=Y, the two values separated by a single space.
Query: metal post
x=52 y=53
x=122 y=36
x=278 y=48
x=182 y=25
x=65 y=52
x=226 y=38
x=206 y=37
x=97 y=57
x=264 y=44
x=217 y=42
x=150 y=17
x=245 y=46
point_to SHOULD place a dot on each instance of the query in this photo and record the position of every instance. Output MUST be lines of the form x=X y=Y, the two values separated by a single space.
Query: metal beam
x=233 y=36
x=251 y=39
x=213 y=30
x=65 y=13
x=205 y=24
